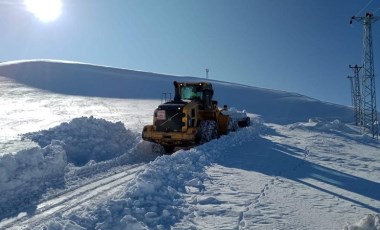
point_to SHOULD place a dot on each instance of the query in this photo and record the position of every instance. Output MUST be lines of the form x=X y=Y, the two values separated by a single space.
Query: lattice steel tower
x=369 y=112
x=356 y=94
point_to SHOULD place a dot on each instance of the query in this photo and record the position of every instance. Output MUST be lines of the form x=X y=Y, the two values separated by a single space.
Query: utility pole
x=353 y=99
x=207 y=70
x=368 y=88
x=355 y=94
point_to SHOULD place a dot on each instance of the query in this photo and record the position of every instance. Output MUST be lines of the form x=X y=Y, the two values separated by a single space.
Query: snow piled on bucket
x=25 y=176
x=154 y=199
x=88 y=139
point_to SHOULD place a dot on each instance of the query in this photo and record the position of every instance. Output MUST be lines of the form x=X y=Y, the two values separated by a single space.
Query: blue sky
x=302 y=46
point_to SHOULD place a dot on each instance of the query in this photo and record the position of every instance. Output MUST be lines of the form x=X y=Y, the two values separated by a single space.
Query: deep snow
x=290 y=173
x=27 y=174
x=87 y=139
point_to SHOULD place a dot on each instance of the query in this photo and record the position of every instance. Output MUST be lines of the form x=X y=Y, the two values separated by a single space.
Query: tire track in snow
x=72 y=200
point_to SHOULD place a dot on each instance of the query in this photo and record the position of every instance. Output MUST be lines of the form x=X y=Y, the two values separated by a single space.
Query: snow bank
x=324 y=126
x=370 y=222
x=24 y=176
x=88 y=139
x=154 y=199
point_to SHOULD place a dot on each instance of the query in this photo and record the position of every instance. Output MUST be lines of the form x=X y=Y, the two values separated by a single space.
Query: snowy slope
x=88 y=80
x=88 y=168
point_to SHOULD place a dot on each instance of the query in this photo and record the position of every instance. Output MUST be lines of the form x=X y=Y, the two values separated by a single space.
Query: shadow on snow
x=272 y=159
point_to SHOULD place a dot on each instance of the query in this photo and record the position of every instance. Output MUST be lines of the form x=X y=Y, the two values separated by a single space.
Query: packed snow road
x=93 y=192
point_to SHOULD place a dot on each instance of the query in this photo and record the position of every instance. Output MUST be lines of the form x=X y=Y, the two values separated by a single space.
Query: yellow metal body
x=193 y=112
x=177 y=139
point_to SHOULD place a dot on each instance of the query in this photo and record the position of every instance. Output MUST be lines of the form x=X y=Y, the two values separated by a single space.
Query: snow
x=87 y=139
x=99 y=81
x=28 y=173
x=369 y=222
x=154 y=198
x=81 y=141
x=235 y=114
x=72 y=157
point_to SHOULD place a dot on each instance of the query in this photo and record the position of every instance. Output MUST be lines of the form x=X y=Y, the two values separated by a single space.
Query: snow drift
x=154 y=199
x=324 y=126
x=370 y=222
x=26 y=175
x=89 y=80
x=87 y=139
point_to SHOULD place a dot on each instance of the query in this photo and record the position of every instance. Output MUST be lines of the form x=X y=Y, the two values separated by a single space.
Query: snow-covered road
x=70 y=200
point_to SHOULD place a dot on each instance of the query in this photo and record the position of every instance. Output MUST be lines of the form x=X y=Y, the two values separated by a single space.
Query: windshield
x=191 y=93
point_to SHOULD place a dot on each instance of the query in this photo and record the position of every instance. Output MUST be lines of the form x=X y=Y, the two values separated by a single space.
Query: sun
x=44 y=10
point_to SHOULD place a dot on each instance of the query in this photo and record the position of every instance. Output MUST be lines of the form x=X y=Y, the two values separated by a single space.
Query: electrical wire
x=376 y=10
x=360 y=11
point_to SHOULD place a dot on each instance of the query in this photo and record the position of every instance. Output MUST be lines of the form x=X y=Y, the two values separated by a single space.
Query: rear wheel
x=244 y=123
x=207 y=131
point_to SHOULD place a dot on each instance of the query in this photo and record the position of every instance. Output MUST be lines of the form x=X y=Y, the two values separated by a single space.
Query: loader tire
x=233 y=125
x=207 y=131
x=158 y=149
x=169 y=149
x=245 y=123
x=162 y=149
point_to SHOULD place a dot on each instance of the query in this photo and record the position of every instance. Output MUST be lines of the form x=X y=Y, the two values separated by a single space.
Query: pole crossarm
x=369 y=18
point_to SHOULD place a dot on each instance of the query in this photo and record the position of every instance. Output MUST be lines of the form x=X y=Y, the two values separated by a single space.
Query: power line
x=376 y=10
x=364 y=8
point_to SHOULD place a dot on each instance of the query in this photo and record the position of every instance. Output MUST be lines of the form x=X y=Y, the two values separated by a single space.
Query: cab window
x=190 y=93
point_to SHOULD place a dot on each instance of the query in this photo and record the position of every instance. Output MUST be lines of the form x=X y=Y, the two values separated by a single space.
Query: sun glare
x=44 y=10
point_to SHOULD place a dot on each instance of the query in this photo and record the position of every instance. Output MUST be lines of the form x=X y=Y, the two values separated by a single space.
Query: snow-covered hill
x=89 y=80
x=71 y=157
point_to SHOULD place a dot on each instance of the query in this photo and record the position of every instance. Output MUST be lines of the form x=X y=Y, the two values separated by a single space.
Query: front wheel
x=169 y=149
x=162 y=149
x=158 y=149
x=207 y=131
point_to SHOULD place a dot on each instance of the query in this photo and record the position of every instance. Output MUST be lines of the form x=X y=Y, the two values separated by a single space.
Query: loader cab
x=200 y=91
x=191 y=92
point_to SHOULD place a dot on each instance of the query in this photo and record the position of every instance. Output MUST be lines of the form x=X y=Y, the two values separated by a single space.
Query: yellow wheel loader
x=192 y=118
